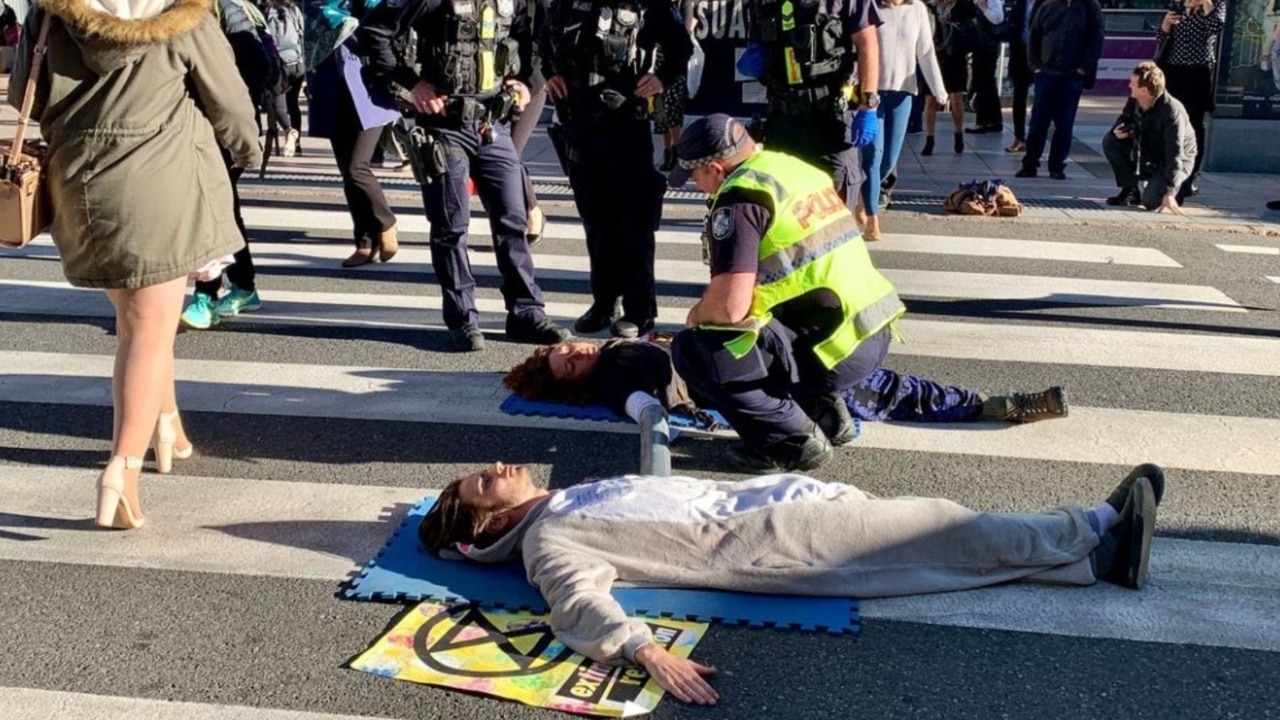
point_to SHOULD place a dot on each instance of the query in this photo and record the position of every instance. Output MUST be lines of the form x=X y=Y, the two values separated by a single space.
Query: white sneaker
x=291 y=143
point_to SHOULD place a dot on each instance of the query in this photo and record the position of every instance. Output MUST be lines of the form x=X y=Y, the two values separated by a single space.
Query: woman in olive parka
x=135 y=98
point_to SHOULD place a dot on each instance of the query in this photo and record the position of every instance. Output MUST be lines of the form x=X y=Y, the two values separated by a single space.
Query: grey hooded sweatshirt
x=777 y=534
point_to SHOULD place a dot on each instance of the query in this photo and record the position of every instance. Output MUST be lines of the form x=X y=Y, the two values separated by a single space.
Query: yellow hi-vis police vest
x=812 y=242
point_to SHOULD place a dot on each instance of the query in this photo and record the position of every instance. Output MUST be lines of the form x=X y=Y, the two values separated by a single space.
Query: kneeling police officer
x=475 y=60
x=795 y=312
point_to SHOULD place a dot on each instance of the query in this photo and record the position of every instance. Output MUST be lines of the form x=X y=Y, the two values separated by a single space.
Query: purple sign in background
x=1119 y=56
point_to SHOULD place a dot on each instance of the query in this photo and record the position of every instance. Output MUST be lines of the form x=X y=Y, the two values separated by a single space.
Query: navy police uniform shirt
x=661 y=26
x=385 y=69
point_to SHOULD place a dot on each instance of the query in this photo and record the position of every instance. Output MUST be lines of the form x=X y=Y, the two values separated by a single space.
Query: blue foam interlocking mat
x=403 y=572
x=516 y=405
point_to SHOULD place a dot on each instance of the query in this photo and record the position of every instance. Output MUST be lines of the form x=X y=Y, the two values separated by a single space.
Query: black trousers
x=1123 y=156
x=285 y=105
x=820 y=139
x=1020 y=74
x=986 y=90
x=756 y=393
x=495 y=168
x=1192 y=85
x=619 y=196
x=353 y=148
x=241 y=272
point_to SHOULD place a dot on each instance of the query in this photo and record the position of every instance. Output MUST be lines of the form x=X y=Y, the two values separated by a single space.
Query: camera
x=1176 y=7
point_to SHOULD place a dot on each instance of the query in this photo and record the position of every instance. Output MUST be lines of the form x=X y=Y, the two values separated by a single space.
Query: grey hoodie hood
x=508 y=548
x=114 y=33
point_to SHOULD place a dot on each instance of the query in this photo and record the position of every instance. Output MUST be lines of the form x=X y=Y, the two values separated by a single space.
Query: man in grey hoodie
x=777 y=534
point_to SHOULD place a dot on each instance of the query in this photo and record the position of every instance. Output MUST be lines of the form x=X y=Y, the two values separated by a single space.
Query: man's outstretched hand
x=683 y=678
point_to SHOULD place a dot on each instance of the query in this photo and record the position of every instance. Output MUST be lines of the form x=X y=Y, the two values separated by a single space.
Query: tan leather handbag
x=24 y=199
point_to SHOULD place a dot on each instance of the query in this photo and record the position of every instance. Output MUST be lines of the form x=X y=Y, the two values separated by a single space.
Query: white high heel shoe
x=114 y=509
x=164 y=443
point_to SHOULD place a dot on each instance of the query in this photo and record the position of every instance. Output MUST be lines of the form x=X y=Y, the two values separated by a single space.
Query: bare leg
x=142 y=382
x=930 y=115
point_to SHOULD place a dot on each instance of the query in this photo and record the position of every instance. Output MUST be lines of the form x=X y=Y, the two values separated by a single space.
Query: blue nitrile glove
x=751 y=64
x=863 y=129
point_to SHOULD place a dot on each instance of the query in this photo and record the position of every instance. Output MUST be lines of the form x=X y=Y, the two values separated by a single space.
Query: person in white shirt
x=906 y=43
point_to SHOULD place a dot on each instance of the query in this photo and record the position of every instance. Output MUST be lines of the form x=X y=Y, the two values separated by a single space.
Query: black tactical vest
x=596 y=41
x=470 y=49
x=805 y=46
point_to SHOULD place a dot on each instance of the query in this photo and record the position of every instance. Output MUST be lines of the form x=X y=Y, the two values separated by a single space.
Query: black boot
x=1024 y=408
x=595 y=319
x=533 y=330
x=668 y=160
x=831 y=415
x=1124 y=553
x=959 y=143
x=1126 y=197
x=798 y=452
x=928 y=145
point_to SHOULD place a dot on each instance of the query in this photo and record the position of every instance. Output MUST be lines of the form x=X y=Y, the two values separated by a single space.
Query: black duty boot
x=798 y=452
x=1127 y=196
x=1024 y=408
x=831 y=415
x=596 y=319
x=535 y=330
x=1124 y=554
x=668 y=160
x=467 y=338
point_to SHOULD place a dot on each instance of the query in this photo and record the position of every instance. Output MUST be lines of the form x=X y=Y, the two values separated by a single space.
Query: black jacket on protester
x=1165 y=141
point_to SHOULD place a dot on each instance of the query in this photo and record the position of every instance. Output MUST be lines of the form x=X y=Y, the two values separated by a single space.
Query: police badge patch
x=721 y=224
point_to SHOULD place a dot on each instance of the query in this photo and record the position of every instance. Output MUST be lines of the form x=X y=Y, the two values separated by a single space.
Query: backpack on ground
x=986 y=197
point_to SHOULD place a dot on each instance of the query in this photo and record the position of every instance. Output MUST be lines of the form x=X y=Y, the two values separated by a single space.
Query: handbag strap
x=29 y=97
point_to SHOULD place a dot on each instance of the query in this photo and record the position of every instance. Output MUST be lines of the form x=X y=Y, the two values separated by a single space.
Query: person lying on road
x=777 y=534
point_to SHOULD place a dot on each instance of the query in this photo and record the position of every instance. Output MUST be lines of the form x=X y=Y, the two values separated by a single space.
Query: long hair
x=532 y=380
x=450 y=521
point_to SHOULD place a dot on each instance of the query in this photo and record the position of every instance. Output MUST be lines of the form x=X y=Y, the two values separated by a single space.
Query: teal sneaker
x=237 y=301
x=201 y=314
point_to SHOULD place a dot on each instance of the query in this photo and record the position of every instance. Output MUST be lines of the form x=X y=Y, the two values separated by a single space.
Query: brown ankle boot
x=388 y=244
x=361 y=256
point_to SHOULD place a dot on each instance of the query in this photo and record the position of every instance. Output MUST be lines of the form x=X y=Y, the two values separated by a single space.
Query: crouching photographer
x=1152 y=147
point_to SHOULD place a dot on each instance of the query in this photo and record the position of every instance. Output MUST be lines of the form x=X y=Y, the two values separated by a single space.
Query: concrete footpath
x=1228 y=202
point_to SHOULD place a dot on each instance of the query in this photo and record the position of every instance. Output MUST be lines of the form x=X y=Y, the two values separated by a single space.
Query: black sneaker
x=1124 y=554
x=831 y=415
x=1273 y=205
x=595 y=319
x=1127 y=196
x=535 y=330
x=798 y=452
x=1025 y=408
x=467 y=338
x=1151 y=472
x=1025 y=172
x=625 y=328
x=1057 y=175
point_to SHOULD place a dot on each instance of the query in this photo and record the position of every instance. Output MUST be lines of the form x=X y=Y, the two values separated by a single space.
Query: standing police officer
x=598 y=56
x=475 y=61
x=795 y=312
x=803 y=52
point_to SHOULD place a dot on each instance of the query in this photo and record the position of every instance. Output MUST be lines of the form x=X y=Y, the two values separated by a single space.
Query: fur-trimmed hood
x=111 y=33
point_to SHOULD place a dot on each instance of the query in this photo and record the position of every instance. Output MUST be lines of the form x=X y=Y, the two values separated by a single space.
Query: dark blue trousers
x=1057 y=99
x=496 y=170
x=757 y=393
x=619 y=196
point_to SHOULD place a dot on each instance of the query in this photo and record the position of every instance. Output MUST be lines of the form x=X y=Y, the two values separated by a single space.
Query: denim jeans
x=880 y=158
x=1057 y=99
